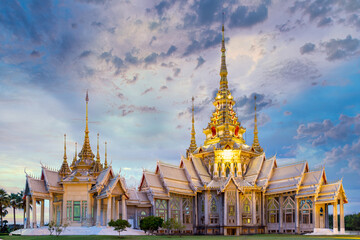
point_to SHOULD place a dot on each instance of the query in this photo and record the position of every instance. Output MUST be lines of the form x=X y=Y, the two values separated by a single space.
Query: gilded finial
x=223 y=69
x=106 y=165
x=98 y=154
x=86 y=152
x=64 y=170
x=256 y=145
x=65 y=157
x=193 y=146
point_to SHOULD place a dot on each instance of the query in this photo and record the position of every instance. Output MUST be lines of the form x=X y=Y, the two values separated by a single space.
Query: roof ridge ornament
x=256 y=145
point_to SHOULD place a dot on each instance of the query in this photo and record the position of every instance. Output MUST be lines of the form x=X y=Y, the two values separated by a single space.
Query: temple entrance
x=231 y=231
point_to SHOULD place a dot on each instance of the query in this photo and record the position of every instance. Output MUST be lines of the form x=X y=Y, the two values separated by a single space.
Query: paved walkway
x=78 y=231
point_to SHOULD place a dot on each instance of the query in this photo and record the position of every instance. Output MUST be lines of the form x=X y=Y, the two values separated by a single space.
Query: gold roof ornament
x=192 y=146
x=97 y=166
x=64 y=170
x=105 y=164
x=86 y=155
x=224 y=127
x=256 y=144
x=75 y=157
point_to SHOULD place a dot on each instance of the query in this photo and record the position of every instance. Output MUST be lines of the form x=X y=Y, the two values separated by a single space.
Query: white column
x=237 y=208
x=42 y=213
x=98 y=208
x=232 y=168
x=225 y=210
x=51 y=208
x=27 y=211
x=335 y=218
x=34 y=225
x=117 y=213
x=281 y=200
x=196 y=211
x=253 y=198
x=123 y=205
x=113 y=215
x=108 y=213
x=342 y=220
x=263 y=222
x=206 y=208
x=90 y=207
x=297 y=226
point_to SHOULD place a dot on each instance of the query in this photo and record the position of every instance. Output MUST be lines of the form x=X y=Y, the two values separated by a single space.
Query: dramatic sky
x=142 y=61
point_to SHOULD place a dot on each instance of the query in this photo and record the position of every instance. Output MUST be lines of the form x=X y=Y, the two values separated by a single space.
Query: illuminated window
x=161 y=209
x=273 y=209
x=306 y=211
x=175 y=207
x=187 y=210
x=289 y=210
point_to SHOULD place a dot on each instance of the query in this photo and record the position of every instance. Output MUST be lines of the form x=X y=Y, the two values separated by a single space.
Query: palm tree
x=4 y=203
x=15 y=201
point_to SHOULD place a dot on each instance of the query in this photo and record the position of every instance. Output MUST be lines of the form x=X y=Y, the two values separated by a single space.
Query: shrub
x=119 y=225
x=151 y=224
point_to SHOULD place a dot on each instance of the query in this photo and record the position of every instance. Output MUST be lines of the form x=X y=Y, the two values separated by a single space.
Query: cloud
x=132 y=80
x=314 y=9
x=244 y=16
x=152 y=58
x=307 y=48
x=200 y=61
x=162 y=88
x=318 y=133
x=324 y=21
x=131 y=59
x=169 y=79
x=337 y=49
x=85 y=54
x=287 y=113
x=349 y=153
x=163 y=6
x=35 y=54
x=176 y=71
x=128 y=109
x=147 y=91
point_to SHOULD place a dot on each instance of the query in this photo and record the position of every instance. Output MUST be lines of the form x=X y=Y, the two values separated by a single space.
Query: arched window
x=289 y=210
x=227 y=169
x=273 y=209
x=161 y=208
x=246 y=209
x=306 y=211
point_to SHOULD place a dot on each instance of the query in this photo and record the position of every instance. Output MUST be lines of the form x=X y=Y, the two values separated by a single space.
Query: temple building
x=86 y=193
x=224 y=186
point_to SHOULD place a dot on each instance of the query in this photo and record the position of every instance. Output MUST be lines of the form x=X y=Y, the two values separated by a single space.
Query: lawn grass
x=243 y=237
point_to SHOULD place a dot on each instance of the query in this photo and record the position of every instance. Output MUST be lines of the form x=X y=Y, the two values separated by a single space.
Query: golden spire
x=256 y=145
x=86 y=152
x=98 y=154
x=105 y=164
x=192 y=141
x=97 y=166
x=65 y=157
x=75 y=156
x=64 y=170
x=223 y=69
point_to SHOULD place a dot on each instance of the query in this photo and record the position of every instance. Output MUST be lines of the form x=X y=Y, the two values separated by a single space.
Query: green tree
x=119 y=225
x=15 y=202
x=4 y=203
x=179 y=227
x=151 y=224
x=169 y=225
